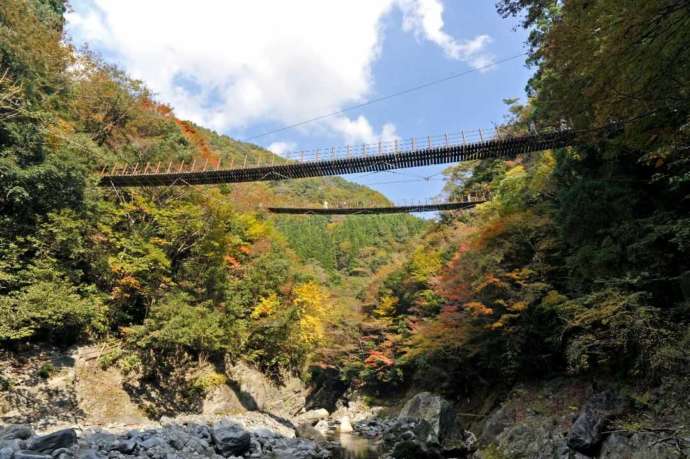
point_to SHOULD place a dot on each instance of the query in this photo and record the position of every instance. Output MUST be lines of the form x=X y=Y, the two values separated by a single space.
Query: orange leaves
x=124 y=287
x=198 y=141
x=478 y=309
x=491 y=283
x=231 y=261
x=378 y=359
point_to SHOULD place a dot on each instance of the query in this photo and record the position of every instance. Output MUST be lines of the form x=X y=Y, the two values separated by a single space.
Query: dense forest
x=578 y=265
x=167 y=277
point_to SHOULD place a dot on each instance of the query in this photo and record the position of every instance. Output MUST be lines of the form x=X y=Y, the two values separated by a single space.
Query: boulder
x=345 y=425
x=47 y=443
x=257 y=392
x=411 y=449
x=231 y=440
x=307 y=431
x=16 y=432
x=223 y=401
x=124 y=446
x=643 y=445
x=6 y=453
x=433 y=409
x=406 y=429
x=323 y=427
x=313 y=416
x=31 y=455
x=587 y=432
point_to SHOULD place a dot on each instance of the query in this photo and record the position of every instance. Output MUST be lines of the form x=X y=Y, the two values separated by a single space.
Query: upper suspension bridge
x=382 y=156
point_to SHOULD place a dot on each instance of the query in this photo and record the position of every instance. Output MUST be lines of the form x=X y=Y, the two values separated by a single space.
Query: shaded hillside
x=578 y=264
x=171 y=277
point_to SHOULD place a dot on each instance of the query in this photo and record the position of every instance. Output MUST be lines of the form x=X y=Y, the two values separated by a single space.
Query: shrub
x=53 y=310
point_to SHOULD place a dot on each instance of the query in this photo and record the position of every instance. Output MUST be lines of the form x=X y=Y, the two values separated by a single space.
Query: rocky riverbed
x=79 y=410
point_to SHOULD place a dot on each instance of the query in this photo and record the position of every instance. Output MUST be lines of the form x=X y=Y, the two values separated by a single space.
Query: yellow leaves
x=501 y=323
x=478 y=309
x=425 y=263
x=553 y=298
x=310 y=298
x=518 y=306
x=313 y=306
x=386 y=307
x=311 y=330
x=266 y=306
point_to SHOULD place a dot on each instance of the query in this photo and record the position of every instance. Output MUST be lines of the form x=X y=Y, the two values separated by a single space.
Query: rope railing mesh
x=349 y=159
x=362 y=208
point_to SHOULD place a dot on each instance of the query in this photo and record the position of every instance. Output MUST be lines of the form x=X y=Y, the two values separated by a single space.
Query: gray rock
x=16 y=431
x=313 y=415
x=310 y=433
x=31 y=455
x=6 y=453
x=496 y=423
x=587 y=432
x=231 y=440
x=642 y=445
x=61 y=452
x=410 y=449
x=89 y=454
x=151 y=443
x=407 y=429
x=124 y=446
x=433 y=409
x=47 y=443
x=15 y=444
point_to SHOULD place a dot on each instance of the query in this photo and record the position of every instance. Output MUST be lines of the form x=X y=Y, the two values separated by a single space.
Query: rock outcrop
x=435 y=410
x=587 y=432
x=256 y=392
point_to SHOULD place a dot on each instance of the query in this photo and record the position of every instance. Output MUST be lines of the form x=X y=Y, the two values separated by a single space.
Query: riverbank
x=98 y=414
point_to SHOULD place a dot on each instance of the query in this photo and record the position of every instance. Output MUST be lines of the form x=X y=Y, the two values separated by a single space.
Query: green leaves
x=51 y=310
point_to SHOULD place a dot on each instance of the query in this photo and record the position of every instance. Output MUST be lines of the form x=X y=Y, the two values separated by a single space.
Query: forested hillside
x=165 y=277
x=579 y=264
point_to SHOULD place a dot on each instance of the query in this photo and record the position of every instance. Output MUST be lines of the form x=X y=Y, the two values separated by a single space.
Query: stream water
x=355 y=447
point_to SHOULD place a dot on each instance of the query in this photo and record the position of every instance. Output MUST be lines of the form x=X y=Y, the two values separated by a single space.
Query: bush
x=46 y=370
x=177 y=324
x=50 y=310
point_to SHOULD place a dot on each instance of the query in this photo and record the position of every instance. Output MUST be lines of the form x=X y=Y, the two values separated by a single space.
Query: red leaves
x=378 y=359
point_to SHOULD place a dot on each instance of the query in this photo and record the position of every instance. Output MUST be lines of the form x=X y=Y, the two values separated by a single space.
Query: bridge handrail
x=469 y=198
x=381 y=148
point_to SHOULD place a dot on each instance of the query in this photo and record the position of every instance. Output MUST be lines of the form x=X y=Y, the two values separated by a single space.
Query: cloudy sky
x=244 y=68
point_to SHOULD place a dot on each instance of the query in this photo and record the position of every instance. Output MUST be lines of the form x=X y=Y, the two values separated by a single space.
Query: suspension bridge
x=481 y=144
x=465 y=202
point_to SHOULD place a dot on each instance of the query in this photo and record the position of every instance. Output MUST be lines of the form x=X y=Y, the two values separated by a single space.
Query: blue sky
x=245 y=68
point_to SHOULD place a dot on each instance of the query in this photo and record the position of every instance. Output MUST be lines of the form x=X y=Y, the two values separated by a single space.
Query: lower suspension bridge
x=465 y=202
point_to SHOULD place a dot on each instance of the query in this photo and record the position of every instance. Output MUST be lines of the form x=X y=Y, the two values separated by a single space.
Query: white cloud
x=425 y=19
x=229 y=65
x=282 y=148
x=359 y=130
